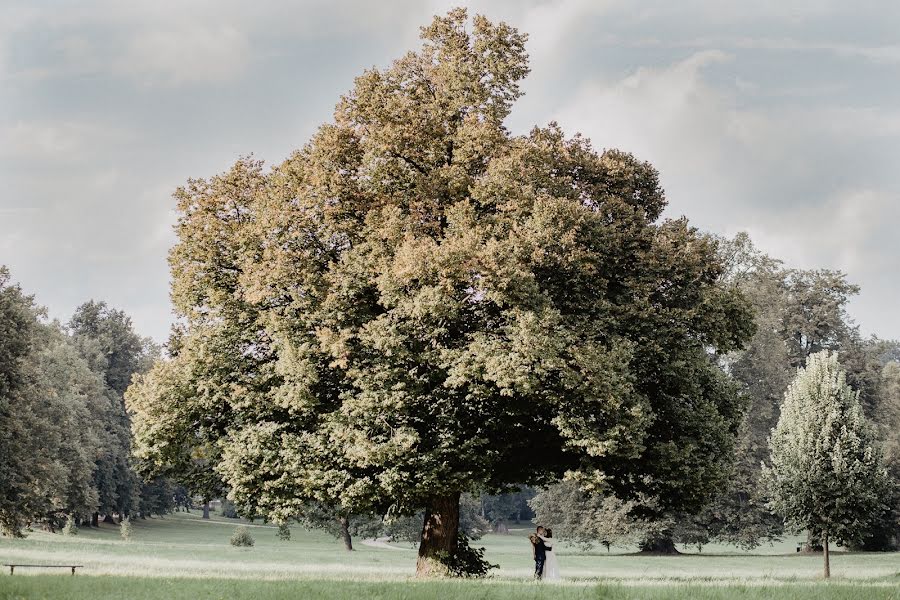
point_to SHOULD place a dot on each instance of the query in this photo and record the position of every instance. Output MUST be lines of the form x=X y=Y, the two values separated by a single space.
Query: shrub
x=125 y=528
x=69 y=528
x=284 y=532
x=241 y=537
x=465 y=561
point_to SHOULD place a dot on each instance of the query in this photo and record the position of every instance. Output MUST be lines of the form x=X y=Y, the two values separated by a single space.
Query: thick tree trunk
x=345 y=533
x=206 y=509
x=439 y=534
x=95 y=520
x=659 y=545
x=827 y=556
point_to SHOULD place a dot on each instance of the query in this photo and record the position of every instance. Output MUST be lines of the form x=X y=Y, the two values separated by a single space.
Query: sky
x=778 y=118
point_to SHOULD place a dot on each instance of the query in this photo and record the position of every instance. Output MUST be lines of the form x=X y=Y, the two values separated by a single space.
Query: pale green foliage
x=825 y=473
x=586 y=519
x=797 y=312
x=419 y=304
x=889 y=413
x=106 y=339
x=70 y=528
x=125 y=528
x=64 y=434
x=241 y=537
x=49 y=433
x=314 y=515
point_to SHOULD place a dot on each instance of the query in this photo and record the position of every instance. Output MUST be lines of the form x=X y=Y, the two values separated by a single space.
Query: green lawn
x=183 y=556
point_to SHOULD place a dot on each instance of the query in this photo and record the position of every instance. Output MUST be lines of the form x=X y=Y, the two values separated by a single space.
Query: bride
x=551 y=566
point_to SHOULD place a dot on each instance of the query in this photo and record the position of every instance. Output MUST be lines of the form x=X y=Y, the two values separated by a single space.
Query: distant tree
x=67 y=395
x=798 y=312
x=586 y=519
x=121 y=352
x=181 y=497
x=22 y=466
x=340 y=524
x=157 y=497
x=507 y=506
x=169 y=438
x=48 y=433
x=884 y=531
x=229 y=510
x=107 y=340
x=825 y=473
x=351 y=317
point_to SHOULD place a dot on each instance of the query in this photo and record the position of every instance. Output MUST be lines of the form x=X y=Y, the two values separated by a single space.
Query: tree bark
x=95 y=520
x=659 y=545
x=205 y=509
x=440 y=532
x=827 y=556
x=345 y=533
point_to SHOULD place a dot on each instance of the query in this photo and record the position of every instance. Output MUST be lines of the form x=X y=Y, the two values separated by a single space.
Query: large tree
x=825 y=473
x=24 y=464
x=107 y=340
x=419 y=304
x=797 y=312
x=49 y=436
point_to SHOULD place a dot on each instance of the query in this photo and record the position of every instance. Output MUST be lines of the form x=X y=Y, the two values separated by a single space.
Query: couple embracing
x=545 y=565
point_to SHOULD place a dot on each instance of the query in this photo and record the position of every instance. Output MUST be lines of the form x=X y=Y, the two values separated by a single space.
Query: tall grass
x=183 y=556
x=138 y=588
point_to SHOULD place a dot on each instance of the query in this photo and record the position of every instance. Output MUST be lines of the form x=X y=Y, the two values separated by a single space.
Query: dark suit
x=539 y=549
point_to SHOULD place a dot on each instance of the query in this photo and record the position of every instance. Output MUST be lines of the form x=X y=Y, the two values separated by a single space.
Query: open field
x=183 y=556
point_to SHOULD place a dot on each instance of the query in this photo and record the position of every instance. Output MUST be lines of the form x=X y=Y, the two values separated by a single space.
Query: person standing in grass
x=538 y=551
x=551 y=565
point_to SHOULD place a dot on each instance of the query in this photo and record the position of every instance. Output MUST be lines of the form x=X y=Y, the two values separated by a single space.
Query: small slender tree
x=826 y=473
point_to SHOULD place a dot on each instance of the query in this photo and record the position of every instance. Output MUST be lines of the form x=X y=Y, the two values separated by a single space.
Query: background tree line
x=65 y=436
x=797 y=313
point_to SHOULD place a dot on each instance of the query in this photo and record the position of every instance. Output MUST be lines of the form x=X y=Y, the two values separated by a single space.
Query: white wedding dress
x=551 y=565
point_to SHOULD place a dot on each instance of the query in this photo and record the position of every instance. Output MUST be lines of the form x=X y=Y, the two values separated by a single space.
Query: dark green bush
x=465 y=561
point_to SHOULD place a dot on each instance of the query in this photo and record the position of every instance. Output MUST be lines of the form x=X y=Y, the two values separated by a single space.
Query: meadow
x=183 y=556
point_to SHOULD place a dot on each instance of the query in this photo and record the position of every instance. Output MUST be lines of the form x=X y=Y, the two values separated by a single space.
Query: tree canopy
x=64 y=433
x=825 y=474
x=419 y=303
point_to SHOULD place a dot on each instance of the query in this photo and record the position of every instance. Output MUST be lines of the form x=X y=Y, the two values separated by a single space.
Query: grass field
x=183 y=556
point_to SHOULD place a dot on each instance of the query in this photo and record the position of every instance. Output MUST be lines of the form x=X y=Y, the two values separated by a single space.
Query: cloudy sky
x=779 y=118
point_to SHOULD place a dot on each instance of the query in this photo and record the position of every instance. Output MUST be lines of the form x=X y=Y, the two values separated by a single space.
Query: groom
x=538 y=551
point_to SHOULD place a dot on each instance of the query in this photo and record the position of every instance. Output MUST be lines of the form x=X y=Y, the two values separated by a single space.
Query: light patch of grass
x=183 y=556
x=136 y=588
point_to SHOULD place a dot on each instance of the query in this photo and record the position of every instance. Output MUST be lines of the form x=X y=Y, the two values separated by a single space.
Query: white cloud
x=881 y=54
x=669 y=116
x=39 y=140
x=186 y=55
x=775 y=116
x=799 y=180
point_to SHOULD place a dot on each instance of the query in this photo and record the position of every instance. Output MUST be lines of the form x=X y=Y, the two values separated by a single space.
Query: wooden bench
x=12 y=568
